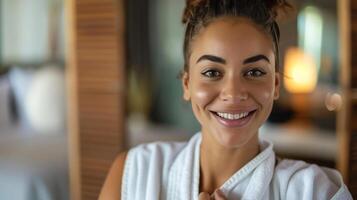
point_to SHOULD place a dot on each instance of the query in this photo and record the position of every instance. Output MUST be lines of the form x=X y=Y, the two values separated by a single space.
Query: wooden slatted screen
x=96 y=77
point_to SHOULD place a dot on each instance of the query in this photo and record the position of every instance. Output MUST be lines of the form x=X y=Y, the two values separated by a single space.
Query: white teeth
x=232 y=116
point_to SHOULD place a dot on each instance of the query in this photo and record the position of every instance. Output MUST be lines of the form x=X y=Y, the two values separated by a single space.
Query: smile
x=232 y=116
x=234 y=119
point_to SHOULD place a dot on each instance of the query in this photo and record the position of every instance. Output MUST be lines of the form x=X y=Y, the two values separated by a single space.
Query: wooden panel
x=353 y=115
x=97 y=84
x=348 y=116
x=343 y=132
x=353 y=164
x=353 y=5
x=347 y=120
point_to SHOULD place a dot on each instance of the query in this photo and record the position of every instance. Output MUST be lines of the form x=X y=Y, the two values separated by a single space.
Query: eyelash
x=212 y=73
x=253 y=73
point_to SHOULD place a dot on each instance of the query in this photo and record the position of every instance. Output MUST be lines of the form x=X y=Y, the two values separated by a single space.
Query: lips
x=234 y=119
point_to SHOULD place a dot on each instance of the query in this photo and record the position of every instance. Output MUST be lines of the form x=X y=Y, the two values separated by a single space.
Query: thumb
x=204 y=196
x=218 y=195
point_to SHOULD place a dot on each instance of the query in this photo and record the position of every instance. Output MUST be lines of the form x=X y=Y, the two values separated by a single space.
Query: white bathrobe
x=171 y=171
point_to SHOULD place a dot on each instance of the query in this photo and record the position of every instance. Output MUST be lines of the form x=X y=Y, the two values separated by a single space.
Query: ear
x=277 y=86
x=185 y=86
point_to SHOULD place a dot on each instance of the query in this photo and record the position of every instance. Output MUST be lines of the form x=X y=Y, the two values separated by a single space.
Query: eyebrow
x=212 y=58
x=223 y=61
x=255 y=59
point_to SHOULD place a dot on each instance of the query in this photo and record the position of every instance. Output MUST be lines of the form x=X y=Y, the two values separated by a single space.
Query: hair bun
x=277 y=7
x=272 y=6
x=191 y=6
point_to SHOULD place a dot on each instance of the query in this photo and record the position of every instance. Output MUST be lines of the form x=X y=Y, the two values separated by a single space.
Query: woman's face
x=231 y=81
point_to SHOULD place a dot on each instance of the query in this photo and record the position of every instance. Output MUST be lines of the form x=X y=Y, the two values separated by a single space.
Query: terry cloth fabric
x=171 y=171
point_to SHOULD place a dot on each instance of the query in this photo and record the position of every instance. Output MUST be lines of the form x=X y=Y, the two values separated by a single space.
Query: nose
x=234 y=90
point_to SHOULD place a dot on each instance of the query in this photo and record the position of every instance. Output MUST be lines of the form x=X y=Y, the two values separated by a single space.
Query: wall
x=29 y=29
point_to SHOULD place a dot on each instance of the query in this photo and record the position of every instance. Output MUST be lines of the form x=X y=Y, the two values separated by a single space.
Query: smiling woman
x=231 y=78
x=233 y=83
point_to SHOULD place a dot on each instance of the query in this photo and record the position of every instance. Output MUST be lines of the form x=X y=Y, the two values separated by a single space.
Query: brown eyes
x=255 y=73
x=252 y=73
x=211 y=73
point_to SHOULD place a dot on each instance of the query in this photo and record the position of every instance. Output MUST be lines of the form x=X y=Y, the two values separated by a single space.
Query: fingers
x=218 y=195
x=204 y=196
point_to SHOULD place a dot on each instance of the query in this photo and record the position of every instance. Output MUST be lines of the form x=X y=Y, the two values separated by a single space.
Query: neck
x=218 y=163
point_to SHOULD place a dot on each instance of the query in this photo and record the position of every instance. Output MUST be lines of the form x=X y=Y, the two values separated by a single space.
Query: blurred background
x=33 y=133
x=82 y=80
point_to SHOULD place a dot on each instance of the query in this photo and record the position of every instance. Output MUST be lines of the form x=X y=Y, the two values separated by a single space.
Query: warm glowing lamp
x=300 y=71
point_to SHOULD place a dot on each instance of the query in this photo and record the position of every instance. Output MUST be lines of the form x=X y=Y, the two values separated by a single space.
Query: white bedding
x=33 y=166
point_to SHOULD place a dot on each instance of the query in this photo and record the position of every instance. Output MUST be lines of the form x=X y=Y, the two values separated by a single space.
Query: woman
x=231 y=79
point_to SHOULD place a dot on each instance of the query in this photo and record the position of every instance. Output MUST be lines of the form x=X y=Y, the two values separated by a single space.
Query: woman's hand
x=217 y=195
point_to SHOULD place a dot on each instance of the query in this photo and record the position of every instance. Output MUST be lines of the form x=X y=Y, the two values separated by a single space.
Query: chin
x=233 y=140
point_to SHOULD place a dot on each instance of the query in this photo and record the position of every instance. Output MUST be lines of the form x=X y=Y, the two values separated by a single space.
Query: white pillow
x=20 y=79
x=45 y=100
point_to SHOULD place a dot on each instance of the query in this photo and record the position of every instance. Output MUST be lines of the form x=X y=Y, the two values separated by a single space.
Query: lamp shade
x=300 y=70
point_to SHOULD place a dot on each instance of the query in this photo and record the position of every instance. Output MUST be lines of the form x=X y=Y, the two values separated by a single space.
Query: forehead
x=232 y=38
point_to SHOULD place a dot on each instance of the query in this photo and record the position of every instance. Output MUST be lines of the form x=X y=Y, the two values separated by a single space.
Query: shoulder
x=136 y=164
x=156 y=149
x=301 y=180
x=164 y=152
x=156 y=155
x=147 y=166
x=114 y=179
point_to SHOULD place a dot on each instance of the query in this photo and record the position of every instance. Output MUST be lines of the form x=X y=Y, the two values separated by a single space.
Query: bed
x=33 y=162
x=33 y=166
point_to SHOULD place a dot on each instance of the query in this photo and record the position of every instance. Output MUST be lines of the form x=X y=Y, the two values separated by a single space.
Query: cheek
x=202 y=94
x=265 y=94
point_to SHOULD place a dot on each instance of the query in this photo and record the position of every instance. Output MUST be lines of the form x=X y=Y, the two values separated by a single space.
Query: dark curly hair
x=199 y=13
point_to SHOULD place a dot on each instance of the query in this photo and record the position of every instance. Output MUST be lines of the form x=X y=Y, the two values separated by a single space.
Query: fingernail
x=203 y=195
x=219 y=192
